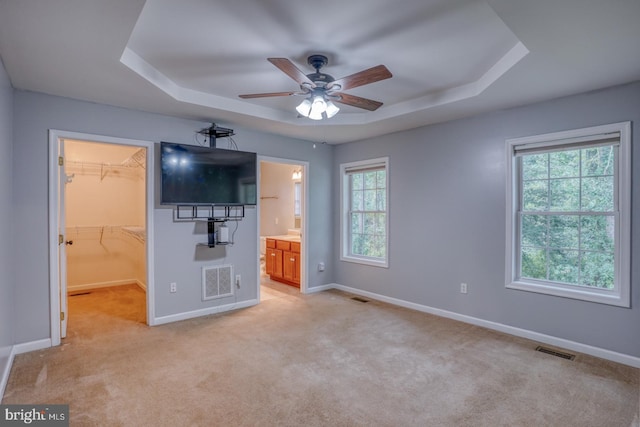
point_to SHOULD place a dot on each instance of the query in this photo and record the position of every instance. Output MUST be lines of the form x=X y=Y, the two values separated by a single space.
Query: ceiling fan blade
x=371 y=75
x=356 y=101
x=291 y=70
x=266 y=95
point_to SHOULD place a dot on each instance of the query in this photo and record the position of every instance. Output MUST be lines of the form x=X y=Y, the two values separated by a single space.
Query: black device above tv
x=196 y=175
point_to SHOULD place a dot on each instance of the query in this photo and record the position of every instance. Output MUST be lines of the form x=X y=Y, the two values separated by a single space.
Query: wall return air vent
x=216 y=282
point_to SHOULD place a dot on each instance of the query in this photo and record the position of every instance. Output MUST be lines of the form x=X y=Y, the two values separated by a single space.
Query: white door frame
x=304 y=242
x=54 y=278
x=62 y=245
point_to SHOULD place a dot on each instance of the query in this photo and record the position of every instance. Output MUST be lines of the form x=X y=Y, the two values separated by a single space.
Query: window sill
x=365 y=261
x=583 y=294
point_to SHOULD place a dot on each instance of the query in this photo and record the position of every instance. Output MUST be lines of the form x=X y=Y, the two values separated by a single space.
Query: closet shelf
x=138 y=233
x=137 y=159
x=99 y=232
x=128 y=170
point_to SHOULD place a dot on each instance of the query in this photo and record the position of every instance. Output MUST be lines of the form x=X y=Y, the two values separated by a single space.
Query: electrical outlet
x=173 y=287
x=237 y=280
x=463 y=288
x=321 y=266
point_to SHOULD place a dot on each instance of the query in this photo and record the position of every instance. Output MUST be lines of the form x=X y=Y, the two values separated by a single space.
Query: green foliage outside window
x=567 y=229
x=368 y=197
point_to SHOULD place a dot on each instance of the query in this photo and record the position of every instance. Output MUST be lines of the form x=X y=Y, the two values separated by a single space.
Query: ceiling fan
x=321 y=89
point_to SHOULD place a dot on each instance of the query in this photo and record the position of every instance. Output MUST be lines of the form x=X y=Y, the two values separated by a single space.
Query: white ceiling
x=192 y=58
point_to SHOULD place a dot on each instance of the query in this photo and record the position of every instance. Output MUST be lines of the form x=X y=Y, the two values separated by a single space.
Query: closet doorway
x=102 y=216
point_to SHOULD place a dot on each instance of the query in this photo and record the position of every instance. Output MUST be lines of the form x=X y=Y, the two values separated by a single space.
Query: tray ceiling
x=449 y=58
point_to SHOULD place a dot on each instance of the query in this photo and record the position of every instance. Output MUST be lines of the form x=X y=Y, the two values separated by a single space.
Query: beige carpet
x=317 y=360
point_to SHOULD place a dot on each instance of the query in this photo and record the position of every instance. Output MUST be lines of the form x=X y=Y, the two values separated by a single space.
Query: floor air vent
x=359 y=299
x=216 y=282
x=556 y=353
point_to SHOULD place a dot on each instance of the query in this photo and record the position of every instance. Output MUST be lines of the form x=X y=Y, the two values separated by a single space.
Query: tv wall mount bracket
x=214 y=131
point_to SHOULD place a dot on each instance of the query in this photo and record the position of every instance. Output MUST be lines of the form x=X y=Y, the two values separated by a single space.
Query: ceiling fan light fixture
x=304 y=108
x=315 y=115
x=319 y=105
x=320 y=89
x=332 y=109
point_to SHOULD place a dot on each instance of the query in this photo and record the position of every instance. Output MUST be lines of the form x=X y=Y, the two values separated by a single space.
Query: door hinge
x=61 y=316
x=60 y=239
x=60 y=161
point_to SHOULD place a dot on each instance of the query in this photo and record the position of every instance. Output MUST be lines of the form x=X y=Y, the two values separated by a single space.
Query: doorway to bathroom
x=282 y=223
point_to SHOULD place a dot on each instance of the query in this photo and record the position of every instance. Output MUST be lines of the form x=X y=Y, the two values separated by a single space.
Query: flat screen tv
x=196 y=175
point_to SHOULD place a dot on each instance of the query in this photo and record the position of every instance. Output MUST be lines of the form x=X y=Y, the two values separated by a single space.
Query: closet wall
x=105 y=215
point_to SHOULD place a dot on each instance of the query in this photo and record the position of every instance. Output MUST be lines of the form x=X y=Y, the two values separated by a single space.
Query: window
x=568 y=219
x=364 y=220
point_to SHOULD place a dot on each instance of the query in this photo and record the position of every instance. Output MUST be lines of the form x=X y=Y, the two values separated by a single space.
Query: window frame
x=620 y=294
x=345 y=195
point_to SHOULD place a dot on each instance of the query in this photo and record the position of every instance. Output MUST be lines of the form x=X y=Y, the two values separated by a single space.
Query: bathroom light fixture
x=297 y=175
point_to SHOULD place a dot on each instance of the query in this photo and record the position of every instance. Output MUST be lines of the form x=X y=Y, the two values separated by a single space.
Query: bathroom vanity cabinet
x=282 y=260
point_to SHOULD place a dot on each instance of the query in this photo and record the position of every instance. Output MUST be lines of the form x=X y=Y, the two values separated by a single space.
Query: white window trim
x=620 y=296
x=344 y=211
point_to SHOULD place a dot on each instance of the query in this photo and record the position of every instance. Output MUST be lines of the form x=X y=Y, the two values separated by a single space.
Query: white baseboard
x=203 y=312
x=316 y=289
x=32 y=346
x=4 y=378
x=602 y=353
x=523 y=333
x=108 y=284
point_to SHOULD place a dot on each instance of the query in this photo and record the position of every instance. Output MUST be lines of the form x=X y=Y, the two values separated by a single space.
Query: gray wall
x=6 y=269
x=176 y=257
x=447 y=220
x=447 y=205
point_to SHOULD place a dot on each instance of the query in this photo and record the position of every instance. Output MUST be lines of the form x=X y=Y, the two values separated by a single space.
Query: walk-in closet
x=104 y=210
